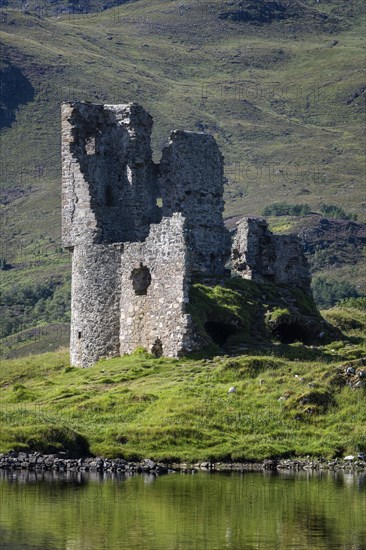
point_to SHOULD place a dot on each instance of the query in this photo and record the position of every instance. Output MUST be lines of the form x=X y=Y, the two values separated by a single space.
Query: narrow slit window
x=90 y=146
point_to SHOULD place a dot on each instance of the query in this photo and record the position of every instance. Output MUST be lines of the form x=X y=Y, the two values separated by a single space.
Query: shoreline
x=62 y=463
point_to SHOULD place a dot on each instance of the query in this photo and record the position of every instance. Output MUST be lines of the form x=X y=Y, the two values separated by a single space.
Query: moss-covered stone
x=240 y=311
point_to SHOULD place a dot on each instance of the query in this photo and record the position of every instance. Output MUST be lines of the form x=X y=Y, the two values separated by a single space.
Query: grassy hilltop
x=290 y=400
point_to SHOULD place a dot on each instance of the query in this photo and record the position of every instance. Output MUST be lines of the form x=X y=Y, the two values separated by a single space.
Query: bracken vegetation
x=43 y=301
x=285 y=209
x=328 y=292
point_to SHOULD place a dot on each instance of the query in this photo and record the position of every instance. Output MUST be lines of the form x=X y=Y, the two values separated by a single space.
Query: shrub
x=336 y=212
x=3 y=264
x=354 y=303
x=285 y=209
x=328 y=292
x=25 y=306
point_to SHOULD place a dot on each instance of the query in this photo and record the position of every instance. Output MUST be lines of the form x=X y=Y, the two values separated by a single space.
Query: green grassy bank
x=282 y=94
x=290 y=400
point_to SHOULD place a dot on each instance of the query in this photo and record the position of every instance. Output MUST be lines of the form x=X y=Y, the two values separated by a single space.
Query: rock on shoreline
x=60 y=462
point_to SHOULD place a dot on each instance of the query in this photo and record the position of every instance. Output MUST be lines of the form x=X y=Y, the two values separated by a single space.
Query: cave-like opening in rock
x=219 y=332
x=287 y=333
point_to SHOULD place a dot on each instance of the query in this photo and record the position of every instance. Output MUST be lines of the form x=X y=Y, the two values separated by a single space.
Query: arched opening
x=219 y=332
x=288 y=333
x=157 y=348
x=141 y=280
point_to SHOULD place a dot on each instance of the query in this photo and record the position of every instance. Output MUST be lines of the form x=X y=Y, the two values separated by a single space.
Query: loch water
x=201 y=511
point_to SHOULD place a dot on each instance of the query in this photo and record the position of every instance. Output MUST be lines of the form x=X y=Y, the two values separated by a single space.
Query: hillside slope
x=279 y=85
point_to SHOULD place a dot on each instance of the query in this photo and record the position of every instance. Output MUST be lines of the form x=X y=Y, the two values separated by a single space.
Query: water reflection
x=86 y=510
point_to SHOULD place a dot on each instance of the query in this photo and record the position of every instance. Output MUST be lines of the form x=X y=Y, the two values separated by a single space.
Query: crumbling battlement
x=139 y=232
x=108 y=192
x=259 y=255
x=192 y=182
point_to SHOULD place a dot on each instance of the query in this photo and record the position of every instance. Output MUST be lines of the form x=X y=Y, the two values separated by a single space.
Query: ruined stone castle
x=140 y=232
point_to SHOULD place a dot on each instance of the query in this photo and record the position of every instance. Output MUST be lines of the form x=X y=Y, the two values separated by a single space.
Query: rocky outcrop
x=341 y=241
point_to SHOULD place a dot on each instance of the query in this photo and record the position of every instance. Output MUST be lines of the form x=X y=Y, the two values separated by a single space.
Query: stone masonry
x=155 y=278
x=132 y=259
x=259 y=255
x=139 y=232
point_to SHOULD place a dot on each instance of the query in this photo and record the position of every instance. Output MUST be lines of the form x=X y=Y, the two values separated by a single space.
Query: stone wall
x=192 y=182
x=95 y=303
x=259 y=255
x=253 y=252
x=291 y=266
x=155 y=281
x=109 y=188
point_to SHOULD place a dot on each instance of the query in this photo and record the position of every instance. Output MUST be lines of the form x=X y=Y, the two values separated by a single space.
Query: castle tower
x=132 y=261
x=107 y=197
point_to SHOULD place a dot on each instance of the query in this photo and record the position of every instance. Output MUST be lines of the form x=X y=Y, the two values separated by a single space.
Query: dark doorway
x=157 y=348
x=219 y=332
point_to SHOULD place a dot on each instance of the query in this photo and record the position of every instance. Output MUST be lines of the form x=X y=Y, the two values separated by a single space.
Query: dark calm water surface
x=182 y=511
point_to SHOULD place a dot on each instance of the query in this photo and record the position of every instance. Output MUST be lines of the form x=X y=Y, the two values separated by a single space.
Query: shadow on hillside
x=15 y=90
